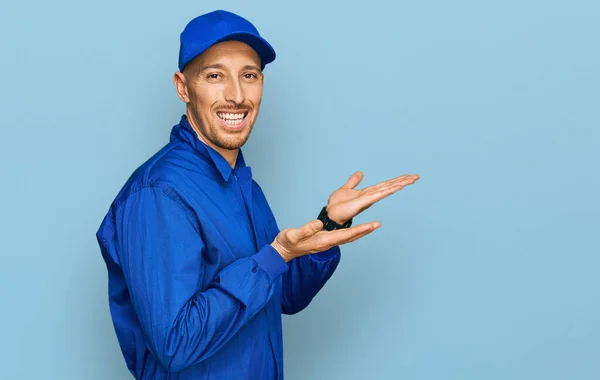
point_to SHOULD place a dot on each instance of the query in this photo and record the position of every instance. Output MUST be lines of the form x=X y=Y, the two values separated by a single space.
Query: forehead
x=230 y=51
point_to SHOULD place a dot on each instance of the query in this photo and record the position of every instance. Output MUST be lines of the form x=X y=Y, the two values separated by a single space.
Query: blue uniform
x=195 y=289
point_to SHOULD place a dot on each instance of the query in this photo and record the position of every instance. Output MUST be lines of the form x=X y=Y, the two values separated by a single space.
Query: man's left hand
x=347 y=202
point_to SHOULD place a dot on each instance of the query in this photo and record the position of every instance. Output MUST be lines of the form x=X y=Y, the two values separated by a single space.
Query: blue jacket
x=195 y=289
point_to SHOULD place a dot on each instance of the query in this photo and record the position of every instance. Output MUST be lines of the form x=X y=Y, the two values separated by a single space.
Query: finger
x=372 y=196
x=399 y=179
x=399 y=183
x=306 y=231
x=385 y=184
x=353 y=181
x=391 y=181
x=359 y=236
x=375 y=196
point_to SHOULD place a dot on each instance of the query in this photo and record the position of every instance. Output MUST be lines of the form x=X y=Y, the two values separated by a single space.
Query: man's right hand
x=311 y=238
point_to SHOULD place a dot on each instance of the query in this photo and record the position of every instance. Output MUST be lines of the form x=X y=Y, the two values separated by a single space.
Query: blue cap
x=211 y=28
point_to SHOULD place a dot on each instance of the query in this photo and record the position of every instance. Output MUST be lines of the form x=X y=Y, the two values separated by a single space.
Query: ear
x=181 y=87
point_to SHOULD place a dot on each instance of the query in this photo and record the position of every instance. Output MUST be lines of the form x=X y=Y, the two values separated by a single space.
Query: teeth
x=233 y=122
x=230 y=116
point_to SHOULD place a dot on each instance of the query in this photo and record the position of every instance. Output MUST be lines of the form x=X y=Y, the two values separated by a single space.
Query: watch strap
x=329 y=224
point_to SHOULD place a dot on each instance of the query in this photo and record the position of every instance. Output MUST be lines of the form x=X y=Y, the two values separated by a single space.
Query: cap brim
x=264 y=50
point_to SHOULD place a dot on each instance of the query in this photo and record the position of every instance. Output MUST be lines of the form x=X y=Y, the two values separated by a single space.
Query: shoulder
x=161 y=172
x=160 y=175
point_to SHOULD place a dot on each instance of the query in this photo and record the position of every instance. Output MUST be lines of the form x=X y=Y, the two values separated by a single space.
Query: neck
x=229 y=155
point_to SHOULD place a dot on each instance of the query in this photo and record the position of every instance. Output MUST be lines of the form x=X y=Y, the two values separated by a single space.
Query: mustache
x=237 y=107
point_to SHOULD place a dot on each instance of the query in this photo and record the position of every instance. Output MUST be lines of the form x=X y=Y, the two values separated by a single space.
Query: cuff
x=270 y=261
x=326 y=255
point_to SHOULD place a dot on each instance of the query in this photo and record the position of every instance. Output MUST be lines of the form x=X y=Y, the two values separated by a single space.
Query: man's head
x=220 y=77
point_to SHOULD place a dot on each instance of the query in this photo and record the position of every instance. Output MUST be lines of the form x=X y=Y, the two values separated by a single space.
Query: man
x=199 y=272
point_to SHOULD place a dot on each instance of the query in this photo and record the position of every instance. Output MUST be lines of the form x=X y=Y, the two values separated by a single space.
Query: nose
x=234 y=92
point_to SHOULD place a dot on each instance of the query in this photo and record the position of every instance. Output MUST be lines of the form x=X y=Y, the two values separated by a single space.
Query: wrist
x=332 y=221
x=335 y=217
x=282 y=251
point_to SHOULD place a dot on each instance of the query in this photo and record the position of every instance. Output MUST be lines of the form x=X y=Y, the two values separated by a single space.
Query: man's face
x=223 y=90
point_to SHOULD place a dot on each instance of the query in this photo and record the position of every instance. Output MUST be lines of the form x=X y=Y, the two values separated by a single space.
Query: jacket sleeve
x=306 y=277
x=160 y=250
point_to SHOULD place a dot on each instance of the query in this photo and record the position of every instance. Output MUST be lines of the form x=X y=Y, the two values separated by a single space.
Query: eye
x=213 y=76
x=250 y=76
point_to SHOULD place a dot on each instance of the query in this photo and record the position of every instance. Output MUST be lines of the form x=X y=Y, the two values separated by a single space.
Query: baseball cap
x=217 y=26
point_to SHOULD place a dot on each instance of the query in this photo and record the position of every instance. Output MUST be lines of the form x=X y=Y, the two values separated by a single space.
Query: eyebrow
x=252 y=67
x=213 y=66
x=221 y=67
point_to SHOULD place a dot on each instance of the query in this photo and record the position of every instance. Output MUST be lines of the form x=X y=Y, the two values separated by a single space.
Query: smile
x=232 y=119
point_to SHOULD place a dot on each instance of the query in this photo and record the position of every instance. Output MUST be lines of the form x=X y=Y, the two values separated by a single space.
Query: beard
x=216 y=135
x=222 y=139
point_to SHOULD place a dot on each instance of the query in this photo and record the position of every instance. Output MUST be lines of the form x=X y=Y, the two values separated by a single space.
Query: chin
x=231 y=145
x=231 y=141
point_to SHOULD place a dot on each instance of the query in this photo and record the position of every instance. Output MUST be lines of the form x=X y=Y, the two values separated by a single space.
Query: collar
x=184 y=132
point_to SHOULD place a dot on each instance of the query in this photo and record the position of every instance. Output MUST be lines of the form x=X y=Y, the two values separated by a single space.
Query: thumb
x=310 y=228
x=314 y=226
x=353 y=181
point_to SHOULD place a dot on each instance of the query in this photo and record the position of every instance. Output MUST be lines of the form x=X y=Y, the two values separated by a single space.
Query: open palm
x=347 y=201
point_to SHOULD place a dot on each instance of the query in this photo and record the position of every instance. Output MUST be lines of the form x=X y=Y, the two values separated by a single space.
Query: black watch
x=329 y=224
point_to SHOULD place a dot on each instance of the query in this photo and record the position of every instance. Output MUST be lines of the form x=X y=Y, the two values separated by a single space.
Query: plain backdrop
x=487 y=268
